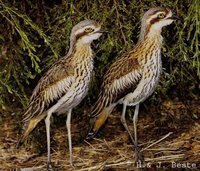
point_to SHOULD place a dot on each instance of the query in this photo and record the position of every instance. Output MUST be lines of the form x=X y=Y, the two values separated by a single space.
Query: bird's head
x=156 y=18
x=86 y=31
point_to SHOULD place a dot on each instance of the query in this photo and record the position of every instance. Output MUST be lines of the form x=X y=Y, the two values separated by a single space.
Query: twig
x=98 y=139
x=157 y=141
x=162 y=149
x=121 y=163
x=166 y=158
x=96 y=149
x=89 y=144
x=96 y=167
x=107 y=144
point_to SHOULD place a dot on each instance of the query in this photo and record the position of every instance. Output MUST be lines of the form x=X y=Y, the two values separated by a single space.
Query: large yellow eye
x=161 y=15
x=89 y=30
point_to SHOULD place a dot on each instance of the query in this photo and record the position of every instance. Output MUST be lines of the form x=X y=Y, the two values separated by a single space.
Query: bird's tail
x=98 y=121
x=28 y=128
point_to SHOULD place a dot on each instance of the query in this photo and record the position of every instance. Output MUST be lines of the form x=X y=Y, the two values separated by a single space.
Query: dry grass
x=113 y=150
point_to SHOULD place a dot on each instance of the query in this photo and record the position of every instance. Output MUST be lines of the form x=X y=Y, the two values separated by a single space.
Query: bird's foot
x=71 y=163
x=139 y=158
x=49 y=166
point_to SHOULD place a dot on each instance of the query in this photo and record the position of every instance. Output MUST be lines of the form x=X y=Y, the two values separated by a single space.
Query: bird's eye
x=161 y=15
x=89 y=30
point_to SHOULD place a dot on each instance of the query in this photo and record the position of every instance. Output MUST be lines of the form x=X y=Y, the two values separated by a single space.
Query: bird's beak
x=102 y=31
x=174 y=17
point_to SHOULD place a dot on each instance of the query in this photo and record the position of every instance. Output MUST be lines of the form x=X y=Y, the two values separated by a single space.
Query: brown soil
x=169 y=138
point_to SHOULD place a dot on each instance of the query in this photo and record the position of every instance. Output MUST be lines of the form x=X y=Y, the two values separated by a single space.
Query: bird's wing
x=50 y=88
x=120 y=79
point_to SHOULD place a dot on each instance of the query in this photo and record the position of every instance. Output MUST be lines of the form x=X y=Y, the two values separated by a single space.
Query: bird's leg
x=123 y=120
x=135 y=119
x=138 y=156
x=47 y=123
x=68 y=124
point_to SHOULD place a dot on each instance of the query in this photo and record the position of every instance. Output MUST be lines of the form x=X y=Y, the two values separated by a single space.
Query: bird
x=132 y=78
x=64 y=85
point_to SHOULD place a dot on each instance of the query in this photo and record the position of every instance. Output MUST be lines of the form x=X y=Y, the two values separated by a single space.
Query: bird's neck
x=151 y=40
x=83 y=51
x=148 y=47
x=82 y=60
x=80 y=50
x=150 y=33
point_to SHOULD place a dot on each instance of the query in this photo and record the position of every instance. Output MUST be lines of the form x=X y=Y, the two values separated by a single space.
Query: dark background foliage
x=34 y=34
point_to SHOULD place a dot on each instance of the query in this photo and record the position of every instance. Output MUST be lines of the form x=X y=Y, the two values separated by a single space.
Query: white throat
x=89 y=38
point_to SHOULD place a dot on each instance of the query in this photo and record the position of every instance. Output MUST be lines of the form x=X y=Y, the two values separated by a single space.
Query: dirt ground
x=169 y=138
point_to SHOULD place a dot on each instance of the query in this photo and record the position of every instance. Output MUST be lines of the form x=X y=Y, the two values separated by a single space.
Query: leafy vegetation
x=35 y=35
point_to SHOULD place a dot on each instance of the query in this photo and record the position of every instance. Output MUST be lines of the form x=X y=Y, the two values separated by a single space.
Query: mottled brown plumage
x=65 y=84
x=109 y=93
x=133 y=77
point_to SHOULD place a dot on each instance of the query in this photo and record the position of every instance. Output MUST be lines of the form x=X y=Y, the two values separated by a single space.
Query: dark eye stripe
x=154 y=20
x=80 y=35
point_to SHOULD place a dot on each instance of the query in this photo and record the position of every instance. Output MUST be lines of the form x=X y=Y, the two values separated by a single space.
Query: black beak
x=174 y=17
x=102 y=31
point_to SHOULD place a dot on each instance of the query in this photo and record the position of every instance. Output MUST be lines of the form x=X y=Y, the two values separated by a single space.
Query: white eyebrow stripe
x=79 y=31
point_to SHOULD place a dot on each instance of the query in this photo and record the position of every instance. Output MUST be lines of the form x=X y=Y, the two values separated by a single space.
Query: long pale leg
x=135 y=119
x=68 y=124
x=138 y=155
x=134 y=141
x=123 y=120
x=47 y=123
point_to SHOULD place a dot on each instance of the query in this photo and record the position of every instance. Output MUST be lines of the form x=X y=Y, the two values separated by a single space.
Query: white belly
x=146 y=85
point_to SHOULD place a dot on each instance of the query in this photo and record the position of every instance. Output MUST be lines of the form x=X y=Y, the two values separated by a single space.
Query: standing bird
x=133 y=77
x=65 y=84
